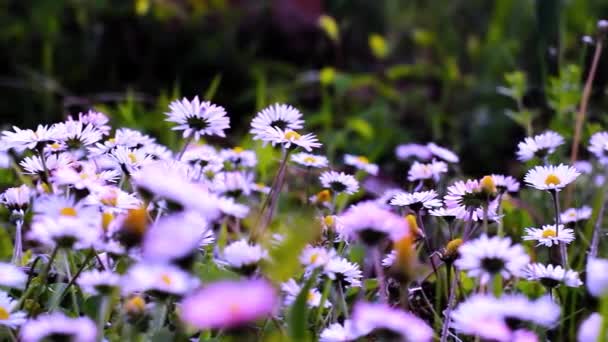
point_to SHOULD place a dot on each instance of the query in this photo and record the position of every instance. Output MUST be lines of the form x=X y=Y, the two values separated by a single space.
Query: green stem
x=604 y=312
x=342 y=300
x=73 y=279
x=102 y=318
x=324 y=295
x=47 y=268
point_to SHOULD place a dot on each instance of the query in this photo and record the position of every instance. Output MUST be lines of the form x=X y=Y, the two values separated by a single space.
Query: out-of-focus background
x=473 y=75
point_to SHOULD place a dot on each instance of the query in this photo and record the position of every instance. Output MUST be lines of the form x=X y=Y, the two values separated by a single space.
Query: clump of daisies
x=212 y=241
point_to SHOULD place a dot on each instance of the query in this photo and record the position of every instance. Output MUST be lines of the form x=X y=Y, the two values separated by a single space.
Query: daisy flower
x=467 y=200
x=597 y=276
x=197 y=118
x=292 y=290
x=17 y=198
x=343 y=271
x=55 y=206
x=572 y=215
x=84 y=175
x=49 y=325
x=158 y=278
x=277 y=115
x=233 y=183
x=361 y=163
x=390 y=323
x=309 y=160
x=229 y=304
x=112 y=199
x=590 y=329
x=97 y=119
x=433 y=170
x=239 y=157
x=540 y=145
x=12 y=276
x=229 y=207
x=76 y=134
x=126 y=137
x=442 y=153
x=96 y=282
x=22 y=139
x=552 y=276
x=548 y=235
x=339 y=182
x=417 y=200
x=243 y=256
x=551 y=178
x=33 y=165
x=174 y=237
x=287 y=138
x=505 y=183
x=313 y=257
x=337 y=332
x=484 y=257
x=128 y=159
x=387 y=196
x=8 y=316
x=446 y=213
x=371 y=223
x=418 y=151
x=65 y=231
x=598 y=145
x=389 y=259
x=583 y=167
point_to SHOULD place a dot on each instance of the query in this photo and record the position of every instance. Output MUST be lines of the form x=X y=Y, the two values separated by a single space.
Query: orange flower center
x=4 y=315
x=165 y=278
x=68 y=211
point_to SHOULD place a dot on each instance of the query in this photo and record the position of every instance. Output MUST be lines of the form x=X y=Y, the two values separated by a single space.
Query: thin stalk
x=103 y=313
x=379 y=273
x=18 y=249
x=500 y=231
x=342 y=299
x=275 y=193
x=185 y=147
x=47 y=175
x=68 y=268
x=485 y=218
x=161 y=315
x=595 y=240
x=47 y=268
x=324 y=295
x=74 y=278
x=448 y=310
x=562 y=246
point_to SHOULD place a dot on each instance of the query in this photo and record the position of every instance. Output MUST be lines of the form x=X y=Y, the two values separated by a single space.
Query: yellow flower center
x=112 y=140
x=135 y=304
x=328 y=220
x=106 y=219
x=55 y=145
x=552 y=179
x=110 y=199
x=310 y=159
x=411 y=221
x=488 y=185
x=363 y=159
x=165 y=278
x=292 y=135
x=238 y=149
x=314 y=257
x=452 y=247
x=68 y=211
x=132 y=157
x=324 y=196
x=136 y=221
x=311 y=296
x=549 y=233
x=4 y=315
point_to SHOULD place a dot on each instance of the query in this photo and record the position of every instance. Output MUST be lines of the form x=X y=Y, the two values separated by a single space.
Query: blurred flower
x=590 y=329
x=197 y=118
x=361 y=163
x=313 y=257
x=243 y=256
x=239 y=157
x=419 y=151
x=337 y=332
x=46 y=326
x=417 y=200
x=552 y=276
x=597 y=276
x=371 y=223
x=96 y=282
x=505 y=183
x=548 y=235
x=229 y=304
x=598 y=145
x=551 y=178
x=12 y=276
x=540 y=145
x=65 y=231
x=432 y=170
x=485 y=257
x=339 y=182
x=96 y=119
x=17 y=198
x=309 y=160
x=389 y=323
x=9 y=317
x=233 y=183
x=442 y=153
x=572 y=215
x=389 y=259
x=287 y=138
x=344 y=272
x=292 y=290
x=161 y=278
x=282 y=116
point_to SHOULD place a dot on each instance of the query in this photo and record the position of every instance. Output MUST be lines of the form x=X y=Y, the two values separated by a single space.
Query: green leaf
x=298 y=314
x=215 y=83
x=361 y=127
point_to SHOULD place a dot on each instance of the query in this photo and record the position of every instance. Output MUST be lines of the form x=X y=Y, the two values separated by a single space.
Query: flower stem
x=379 y=273
x=106 y=302
x=595 y=240
x=273 y=196
x=18 y=248
x=185 y=147
x=47 y=268
x=562 y=246
x=324 y=295
x=342 y=299
x=73 y=280
x=448 y=310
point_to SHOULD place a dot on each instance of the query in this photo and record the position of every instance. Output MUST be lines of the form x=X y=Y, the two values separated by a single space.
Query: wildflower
x=468 y=200
x=126 y=137
x=84 y=175
x=390 y=323
x=96 y=119
x=442 y=153
x=76 y=134
x=287 y=138
x=505 y=183
x=590 y=329
x=292 y=290
x=389 y=259
x=447 y=213
x=8 y=316
x=552 y=276
x=598 y=145
x=405 y=151
x=573 y=215
x=112 y=199
x=343 y=271
x=12 y=276
x=157 y=278
x=310 y=160
x=417 y=200
x=361 y=163
x=130 y=159
x=485 y=257
x=47 y=326
x=371 y=223
x=548 y=235
x=22 y=139
x=583 y=166
x=432 y=170
x=243 y=256
x=34 y=166
x=282 y=116
x=65 y=231
x=229 y=207
x=597 y=276
x=229 y=304
x=551 y=178
x=95 y=282
x=197 y=118
x=233 y=183
x=337 y=332
x=540 y=145
x=17 y=198
x=339 y=182
x=239 y=157
x=313 y=257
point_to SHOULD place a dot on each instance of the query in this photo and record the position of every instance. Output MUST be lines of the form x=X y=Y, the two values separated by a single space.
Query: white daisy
x=505 y=183
x=467 y=200
x=442 y=152
x=130 y=160
x=551 y=178
x=55 y=206
x=310 y=160
x=239 y=157
x=112 y=199
x=597 y=276
x=204 y=159
x=65 y=231
x=337 y=332
x=552 y=276
x=12 y=276
x=243 y=256
x=361 y=163
x=198 y=118
x=590 y=329
x=371 y=223
x=389 y=259
x=418 y=151
x=8 y=316
x=17 y=198
x=539 y=145
x=126 y=137
x=572 y=215
x=21 y=139
x=33 y=165
x=391 y=324
x=233 y=183
x=48 y=325
x=287 y=138
x=598 y=145
x=387 y=196
x=339 y=182
x=97 y=119
x=229 y=207
x=433 y=170
x=161 y=278
x=84 y=175
x=344 y=272
x=447 y=213
x=277 y=115
x=417 y=200
x=549 y=236
x=76 y=134
x=292 y=290
x=96 y=282
x=484 y=257
x=313 y=257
